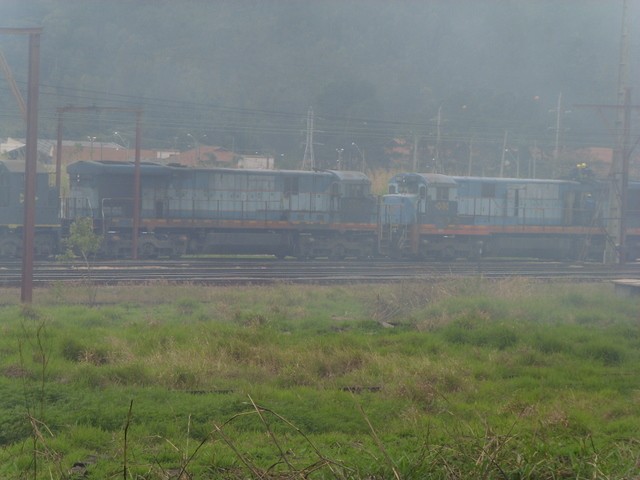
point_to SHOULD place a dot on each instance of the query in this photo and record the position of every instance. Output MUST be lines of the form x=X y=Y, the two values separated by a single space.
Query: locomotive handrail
x=103 y=216
x=66 y=207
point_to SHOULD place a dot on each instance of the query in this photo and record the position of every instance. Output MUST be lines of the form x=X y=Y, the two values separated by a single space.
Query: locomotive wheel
x=9 y=249
x=44 y=245
x=148 y=250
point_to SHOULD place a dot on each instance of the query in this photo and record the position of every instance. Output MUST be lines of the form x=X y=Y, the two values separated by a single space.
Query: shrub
x=75 y=351
x=131 y=374
x=72 y=349
x=609 y=355
x=550 y=343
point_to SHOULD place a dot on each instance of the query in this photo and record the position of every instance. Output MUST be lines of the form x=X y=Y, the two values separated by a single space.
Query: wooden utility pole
x=31 y=159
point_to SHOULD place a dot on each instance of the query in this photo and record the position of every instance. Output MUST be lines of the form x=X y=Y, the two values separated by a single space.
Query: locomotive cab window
x=392 y=189
x=355 y=191
x=423 y=191
x=442 y=193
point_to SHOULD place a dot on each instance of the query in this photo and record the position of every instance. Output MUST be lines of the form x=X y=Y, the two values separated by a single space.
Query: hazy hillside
x=243 y=73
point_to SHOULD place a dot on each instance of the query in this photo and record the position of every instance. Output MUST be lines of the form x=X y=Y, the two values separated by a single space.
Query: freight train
x=312 y=214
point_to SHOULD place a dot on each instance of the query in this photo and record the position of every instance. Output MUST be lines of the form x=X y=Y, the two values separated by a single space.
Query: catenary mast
x=618 y=177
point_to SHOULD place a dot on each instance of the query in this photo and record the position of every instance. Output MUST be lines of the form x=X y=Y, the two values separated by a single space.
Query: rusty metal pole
x=136 y=189
x=31 y=162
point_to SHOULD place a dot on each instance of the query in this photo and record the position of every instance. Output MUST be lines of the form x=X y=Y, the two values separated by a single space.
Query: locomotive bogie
x=118 y=244
x=450 y=247
x=335 y=246
x=46 y=242
x=245 y=242
x=10 y=245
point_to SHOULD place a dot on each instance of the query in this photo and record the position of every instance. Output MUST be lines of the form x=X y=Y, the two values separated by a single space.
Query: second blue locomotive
x=429 y=215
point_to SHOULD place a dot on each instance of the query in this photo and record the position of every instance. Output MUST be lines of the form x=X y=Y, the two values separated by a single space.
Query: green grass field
x=446 y=380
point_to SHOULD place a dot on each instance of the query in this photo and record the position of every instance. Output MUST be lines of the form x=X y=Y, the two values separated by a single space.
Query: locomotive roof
x=343 y=175
x=105 y=166
x=428 y=178
x=348 y=175
x=150 y=168
x=513 y=180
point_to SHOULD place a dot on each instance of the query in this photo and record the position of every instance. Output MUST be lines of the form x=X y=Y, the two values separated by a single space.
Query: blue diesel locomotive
x=227 y=211
x=553 y=219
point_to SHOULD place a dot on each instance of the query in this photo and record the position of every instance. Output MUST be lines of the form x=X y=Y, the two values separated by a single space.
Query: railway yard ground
x=463 y=377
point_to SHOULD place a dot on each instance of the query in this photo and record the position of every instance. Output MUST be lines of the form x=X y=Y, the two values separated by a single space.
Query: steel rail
x=239 y=271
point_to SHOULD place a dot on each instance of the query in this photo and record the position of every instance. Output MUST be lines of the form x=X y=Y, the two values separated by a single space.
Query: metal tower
x=618 y=177
x=308 y=161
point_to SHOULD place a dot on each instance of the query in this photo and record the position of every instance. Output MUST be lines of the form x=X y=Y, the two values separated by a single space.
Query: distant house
x=263 y=162
x=204 y=156
x=76 y=150
x=399 y=151
x=10 y=145
x=15 y=149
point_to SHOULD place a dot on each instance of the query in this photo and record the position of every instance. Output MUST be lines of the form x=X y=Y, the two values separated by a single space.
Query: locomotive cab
x=351 y=197
x=104 y=192
x=434 y=196
x=417 y=202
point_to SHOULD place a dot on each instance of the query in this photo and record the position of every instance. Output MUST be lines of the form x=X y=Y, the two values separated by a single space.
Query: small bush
x=550 y=343
x=131 y=374
x=74 y=351
x=185 y=379
x=609 y=355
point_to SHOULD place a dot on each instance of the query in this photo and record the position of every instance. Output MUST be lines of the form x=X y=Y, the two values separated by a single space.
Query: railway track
x=238 y=271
